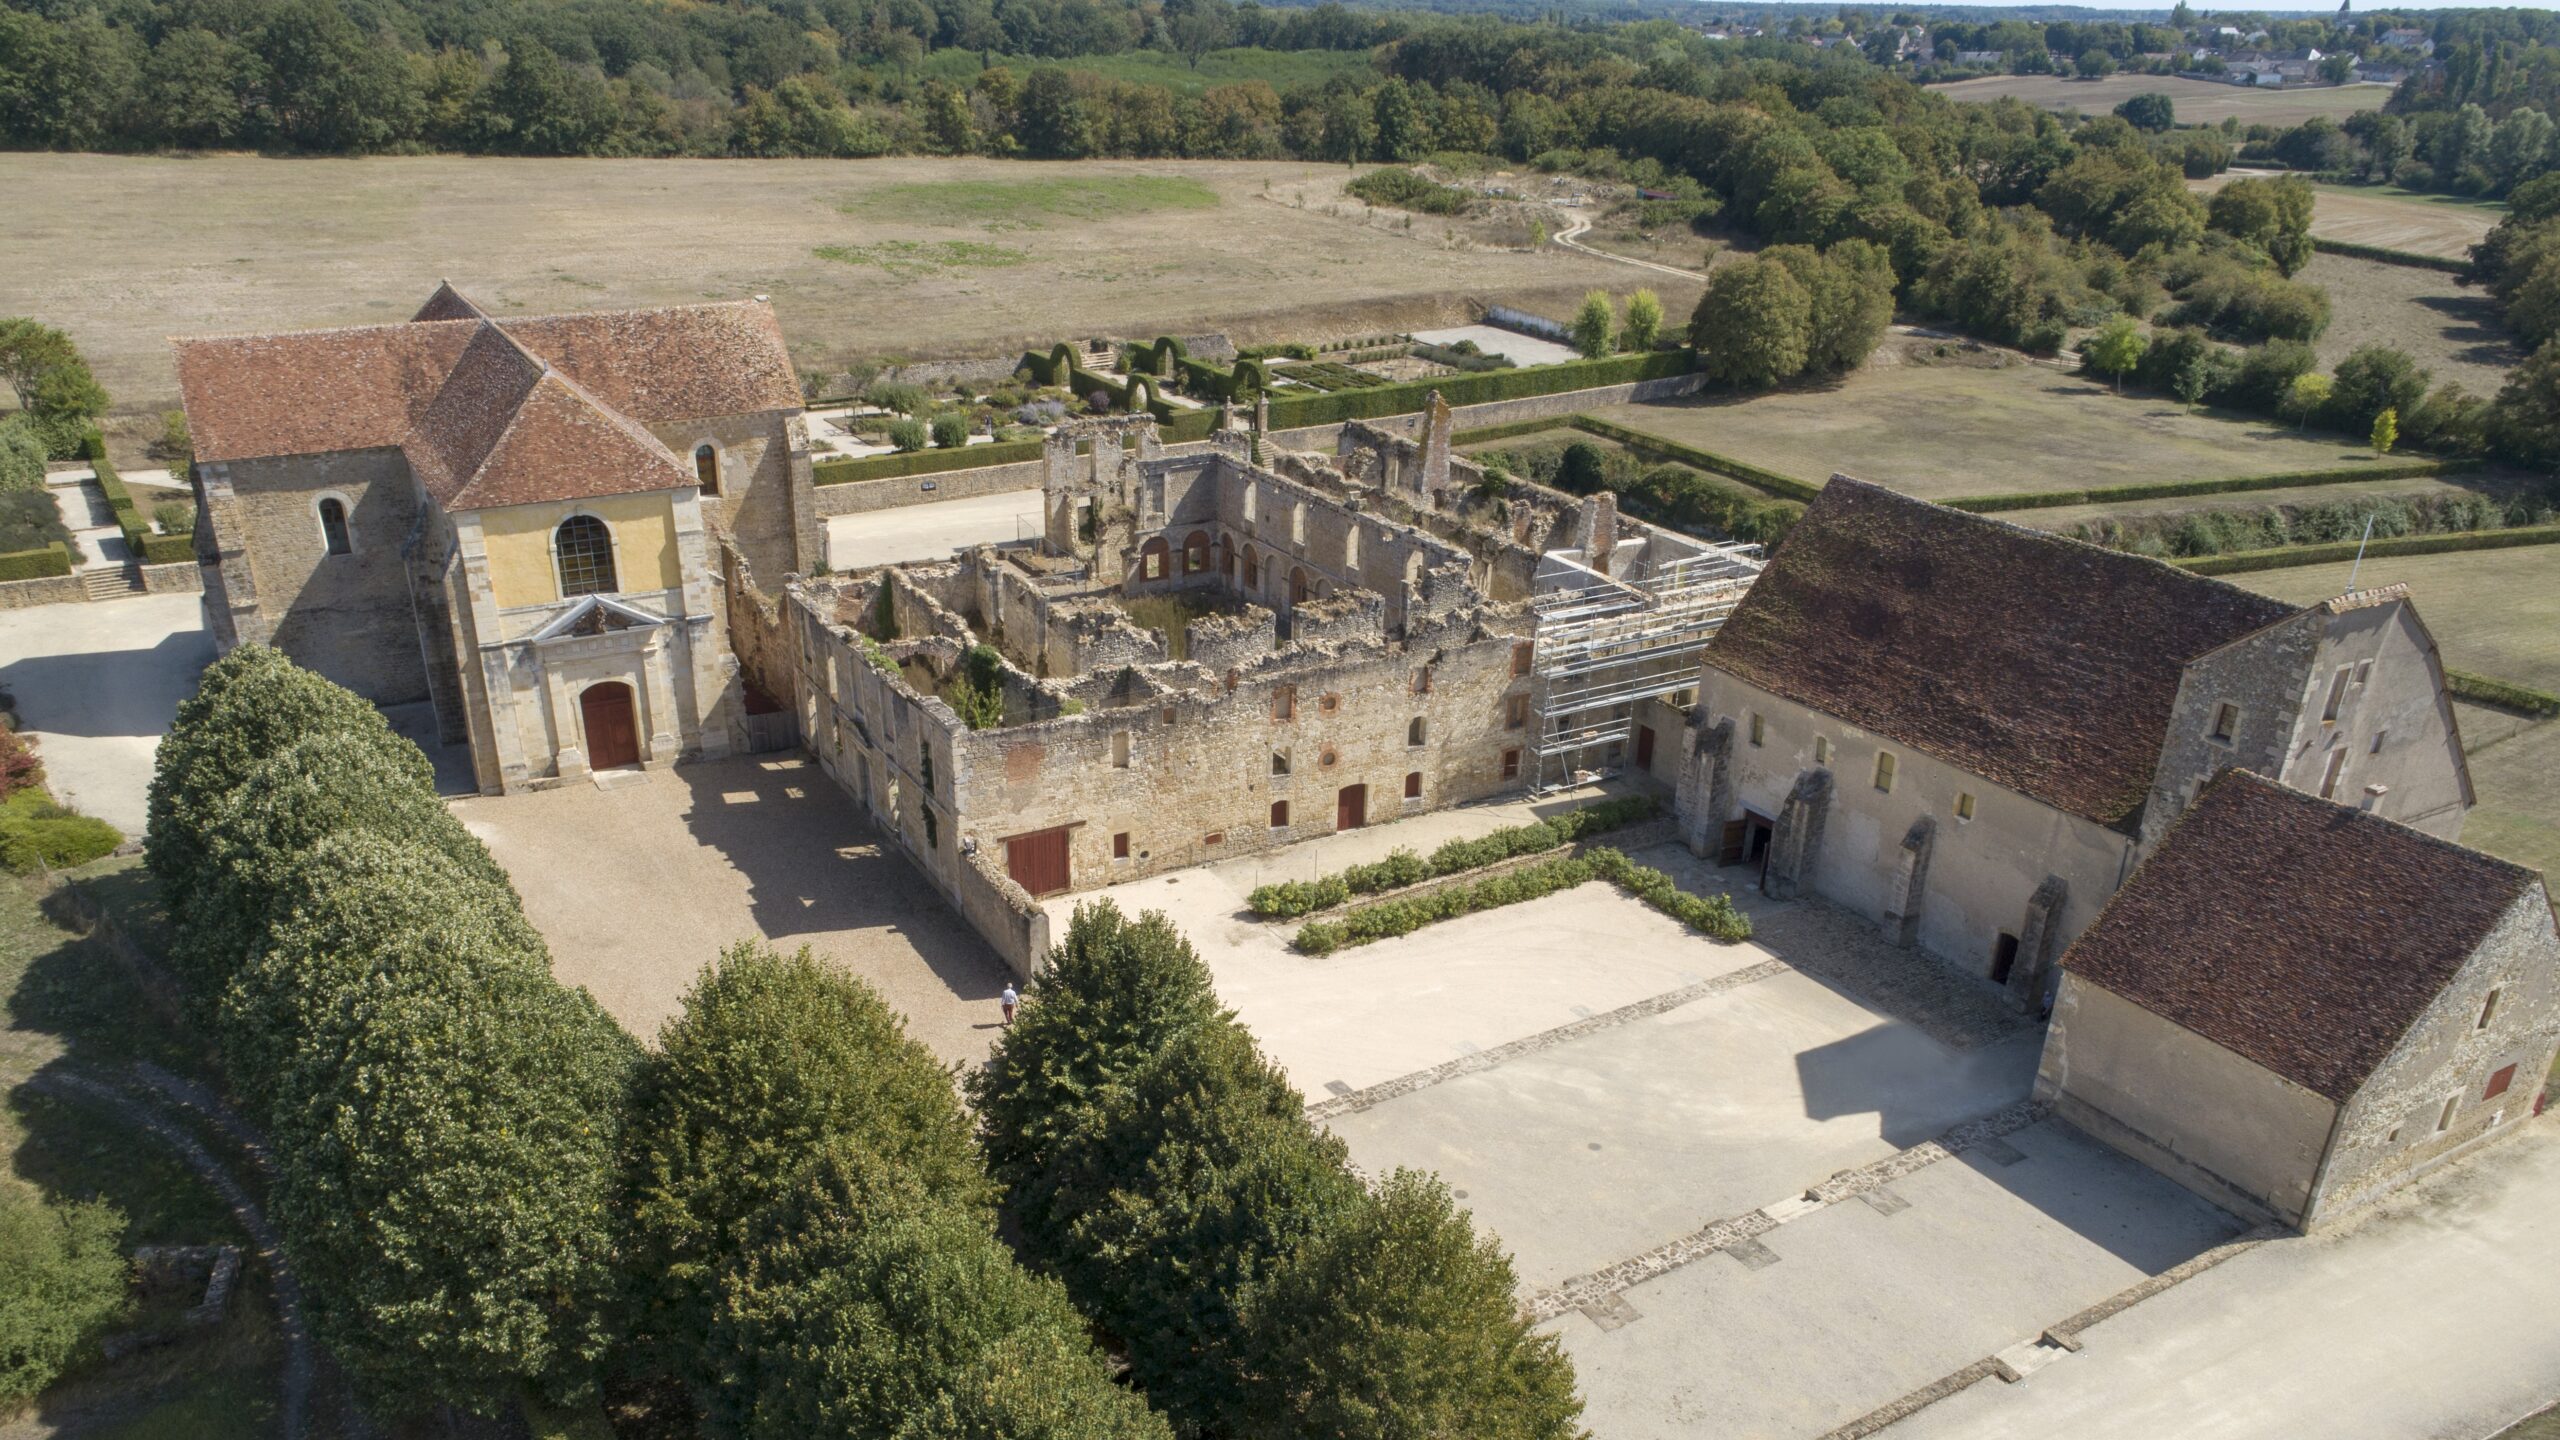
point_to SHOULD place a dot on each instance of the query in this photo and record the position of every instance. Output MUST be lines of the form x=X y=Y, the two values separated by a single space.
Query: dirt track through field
x=126 y=251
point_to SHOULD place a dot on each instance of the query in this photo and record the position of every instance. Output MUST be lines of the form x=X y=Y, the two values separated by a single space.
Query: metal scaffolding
x=1603 y=645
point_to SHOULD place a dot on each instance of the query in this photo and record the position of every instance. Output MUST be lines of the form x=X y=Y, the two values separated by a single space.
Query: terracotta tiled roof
x=2299 y=934
x=449 y=304
x=561 y=444
x=2042 y=664
x=369 y=387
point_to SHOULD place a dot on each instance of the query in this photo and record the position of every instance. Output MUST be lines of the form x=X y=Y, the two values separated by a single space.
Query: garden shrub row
x=1786 y=487
x=1713 y=916
x=147 y=547
x=2483 y=690
x=1480 y=389
x=2274 y=523
x=1292 y=898
x=2293 y=555
x=2173 y=489
x=923 y=462
x=2389 y=256
x=1535 y=424
x=37 y=564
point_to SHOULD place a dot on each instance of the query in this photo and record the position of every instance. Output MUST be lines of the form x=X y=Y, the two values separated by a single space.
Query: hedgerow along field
x=1264 y=250
x=1944 y=429
x=2198 y=102
x=2495 y=613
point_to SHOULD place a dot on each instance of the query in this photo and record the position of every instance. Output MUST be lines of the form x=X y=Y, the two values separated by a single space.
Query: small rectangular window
x=2337 y=694
x=1884 y=771
x=1215 y=837
x=2329 y=779
x=1284 y=702
x=2499 y=1082
x=1166 y=715
x=2444 y=1119
x=1120 y=749
x=1516 y=713
x=2488 y=1011
x=2377 y=742
x=1510 y=764
x=1120 y=846
x=2364 y=671
x=2226 y=721
x=1758 y=728
x=1413 y=785
x=1964 y=806
x=1422 y=680
x=1520 y=658
x=1821 y=749
x=1279 y=814
x=1279 y=762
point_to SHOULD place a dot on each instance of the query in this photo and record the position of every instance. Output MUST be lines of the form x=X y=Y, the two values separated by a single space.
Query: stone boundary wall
x=176 y=577
x=1003 y=914
x=861 y=497
x=43 y=590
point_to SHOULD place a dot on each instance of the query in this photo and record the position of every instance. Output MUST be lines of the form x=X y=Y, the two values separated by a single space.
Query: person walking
x=1010 y=1000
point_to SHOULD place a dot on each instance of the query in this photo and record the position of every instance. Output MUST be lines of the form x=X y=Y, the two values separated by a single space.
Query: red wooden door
x=1644 y=747
x=613 y=732
x=1351 y=808
x=1038 y=861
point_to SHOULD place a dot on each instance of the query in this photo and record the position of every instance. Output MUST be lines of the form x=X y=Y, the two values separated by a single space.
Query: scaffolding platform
x=1604 y=644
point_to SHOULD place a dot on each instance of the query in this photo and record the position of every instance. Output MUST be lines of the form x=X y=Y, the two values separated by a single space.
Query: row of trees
x=1793 y=310
x=492 y=1193
x=1164 y=1169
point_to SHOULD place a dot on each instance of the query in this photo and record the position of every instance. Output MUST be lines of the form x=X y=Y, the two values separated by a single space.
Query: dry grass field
x=2199 y=102
x=2451 y=328
x=2497 y=613
x=1943 y=430
x=2386 y=215
x=908 y=257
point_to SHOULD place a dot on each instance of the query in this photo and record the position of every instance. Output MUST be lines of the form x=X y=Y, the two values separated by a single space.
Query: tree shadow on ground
x=105 y=693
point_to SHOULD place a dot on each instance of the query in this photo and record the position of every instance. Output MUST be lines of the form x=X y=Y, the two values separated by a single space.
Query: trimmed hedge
x=923 y=462
x=2172 y=489
x=39 y=564
x=1714 y=917
x=1516 y=428
x=1480 y=389
x=2389 y=256
x=2290 y=556
x=1784 y=486
x=2482 y=690
x=1292 y=898
x=147 y=547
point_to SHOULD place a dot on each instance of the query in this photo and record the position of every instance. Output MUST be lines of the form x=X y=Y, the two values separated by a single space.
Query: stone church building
x=517 y=519
x=1972 y=732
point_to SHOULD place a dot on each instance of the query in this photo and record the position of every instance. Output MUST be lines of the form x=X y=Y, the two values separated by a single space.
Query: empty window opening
x=1279 y=814
x=1821 y=750
x=2488 y=1010
x=1301 y=589
x=1284 y=702
x=1964 y=805
x=2444 y=1118
x=1252 y=570
x=1520 y=655
x=1279 y=762
x=2329 y=779
x=1413 y=784
x=1151 y=559
x=2364 y=671
x=2499 y=1082
x=1516 y=713
x=1166 y=714
x=1298 y=523
x=333 y=526
x=2337 y=694
x=1884 y=771
x=1414 y=731
x=585 y=551
x=2226 y=721
x=1351 y=549
x=706 y=468
x=1422 y=680
x=1195 y=553
x=1510 y=764
x=2004 y=958
x=1120 y=846
x=2377 y=742
x=924 y=770
x=1120 y=749
x=932 y=832
x=1759 y=728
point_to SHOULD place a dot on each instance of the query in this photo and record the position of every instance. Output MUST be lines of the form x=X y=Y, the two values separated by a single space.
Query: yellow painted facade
x=517 y=539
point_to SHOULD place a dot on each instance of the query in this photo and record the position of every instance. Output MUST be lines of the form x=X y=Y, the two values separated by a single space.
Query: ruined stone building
x=1971 y=732
x=514 y=518
x=2295 y=1005
x=1205 y=655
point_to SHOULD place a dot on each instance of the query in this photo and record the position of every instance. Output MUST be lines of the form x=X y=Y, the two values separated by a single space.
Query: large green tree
x=862 y=1301
x=772 y=1058
x=1115 y=991
x=1398 y=1320
x=1754 y=325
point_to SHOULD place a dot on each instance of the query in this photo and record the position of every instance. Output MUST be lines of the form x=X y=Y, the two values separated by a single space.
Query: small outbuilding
x=2294 y=1007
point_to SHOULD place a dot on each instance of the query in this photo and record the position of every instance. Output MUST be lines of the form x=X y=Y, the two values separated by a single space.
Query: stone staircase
x=110 y=582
